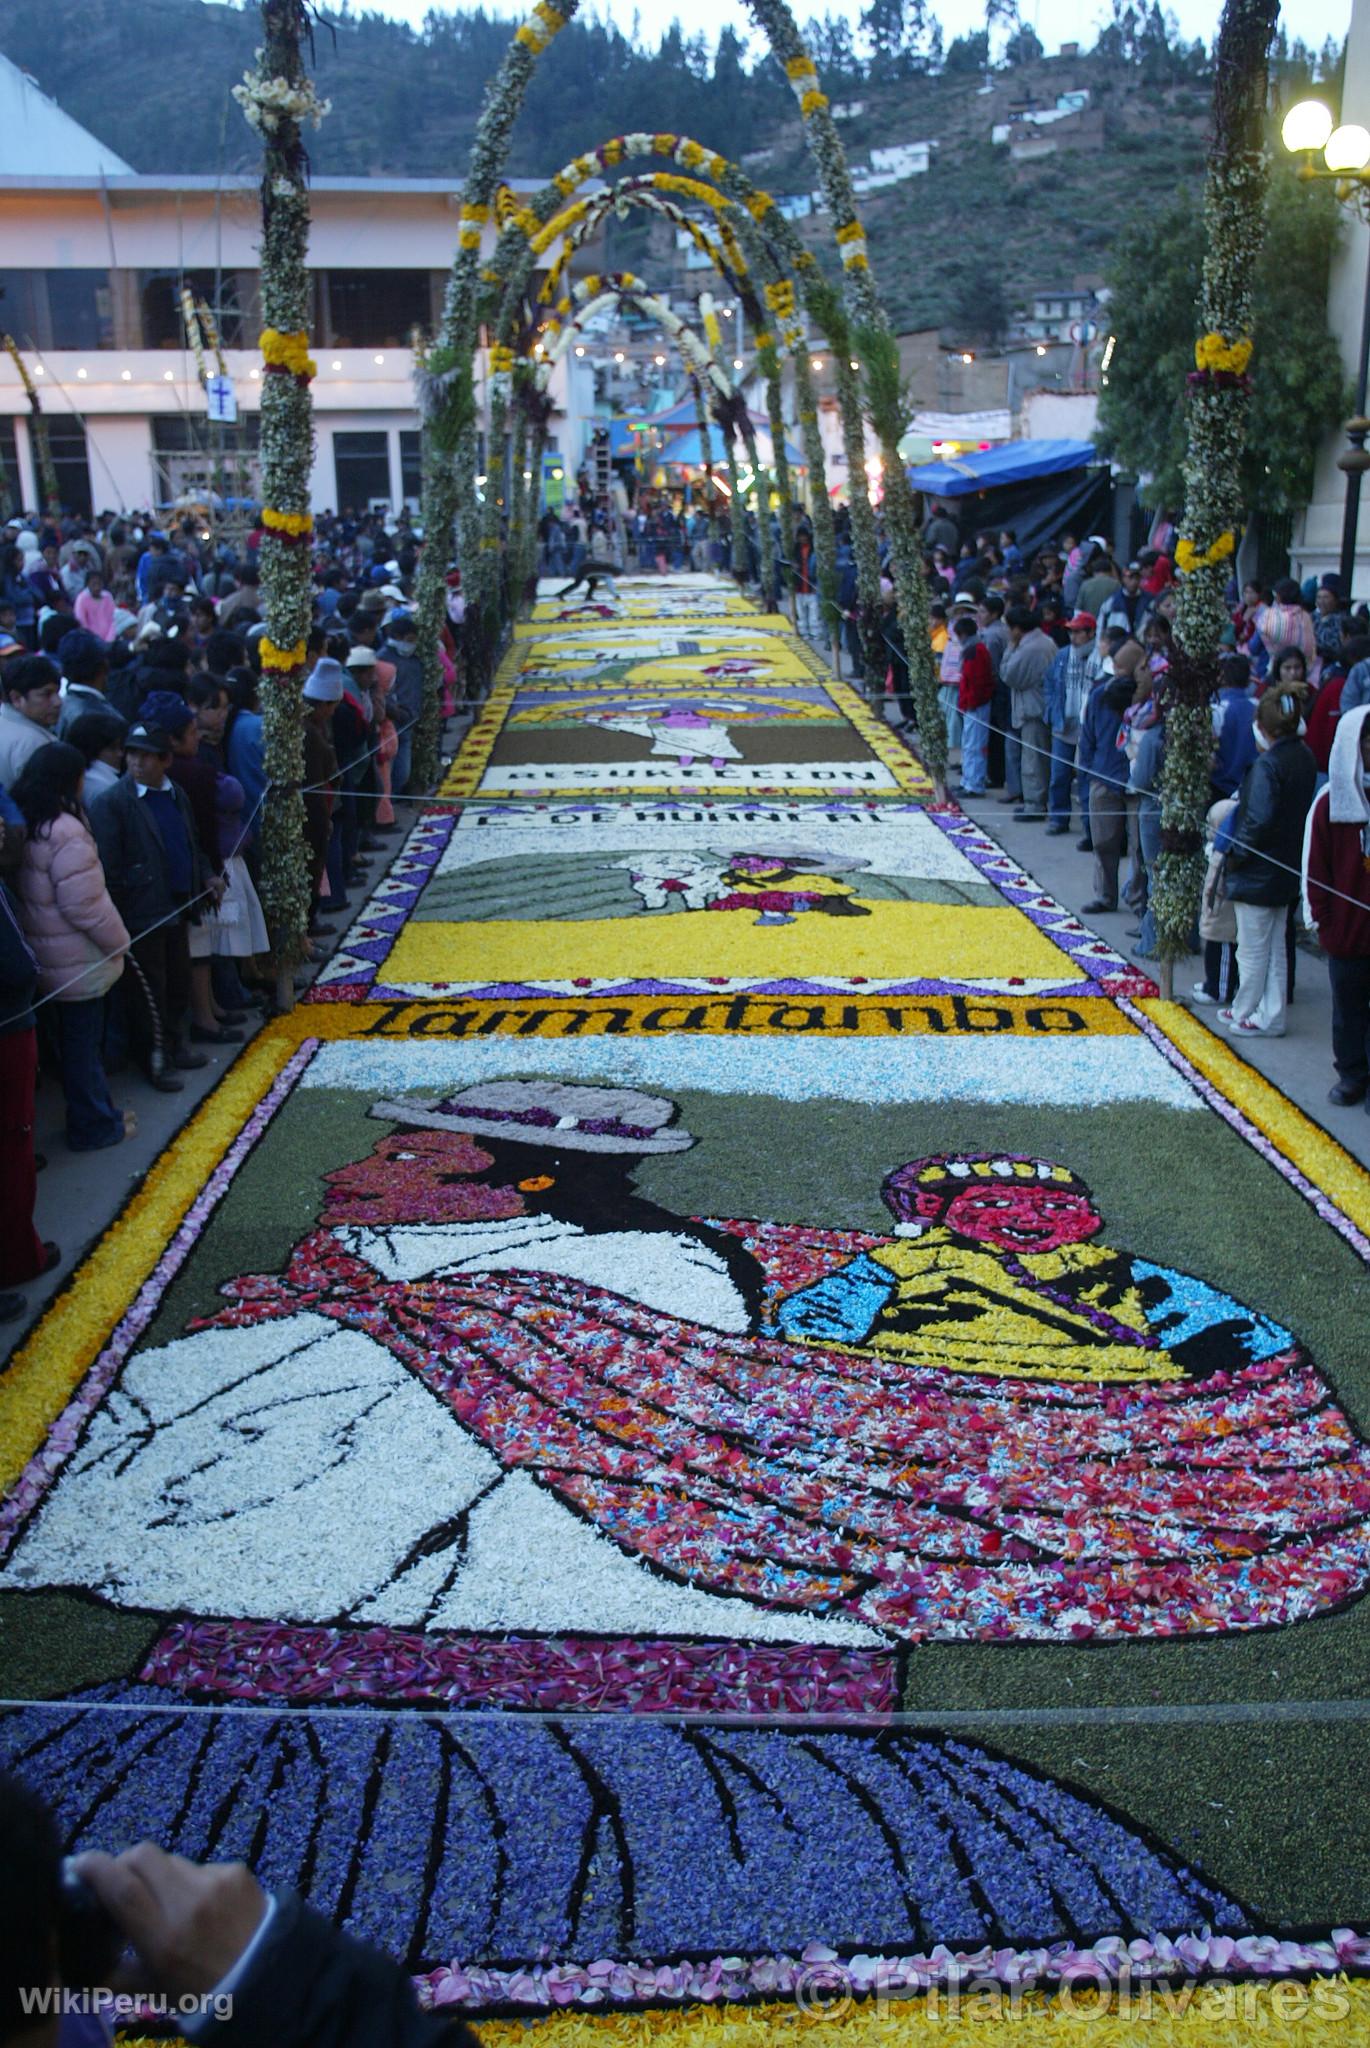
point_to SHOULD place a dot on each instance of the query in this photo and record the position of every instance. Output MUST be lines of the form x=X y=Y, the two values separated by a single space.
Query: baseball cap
x=147 y=739
x=1083 y=622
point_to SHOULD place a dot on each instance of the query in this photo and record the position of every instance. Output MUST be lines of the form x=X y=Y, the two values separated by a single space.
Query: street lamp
x=1307 y=129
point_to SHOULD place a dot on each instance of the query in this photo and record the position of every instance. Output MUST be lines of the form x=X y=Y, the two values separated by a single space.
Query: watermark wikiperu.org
x=832 y=1990
x=56 y=2001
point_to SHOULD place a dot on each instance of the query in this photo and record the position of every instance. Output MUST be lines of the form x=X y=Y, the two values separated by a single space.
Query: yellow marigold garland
x=538 y=30
x=287 y=352
x=291 y=525
x=1213 y=352
x=1188 y=557
x=282 y=659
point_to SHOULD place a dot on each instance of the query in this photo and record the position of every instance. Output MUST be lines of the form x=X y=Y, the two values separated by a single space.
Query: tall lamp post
x=1307 y=132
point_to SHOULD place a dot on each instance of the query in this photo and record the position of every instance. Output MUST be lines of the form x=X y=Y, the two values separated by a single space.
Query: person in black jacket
x=262 y=1967
x=1263 y=844
x=401 y=650
x=145 y=830
x=23 y=1255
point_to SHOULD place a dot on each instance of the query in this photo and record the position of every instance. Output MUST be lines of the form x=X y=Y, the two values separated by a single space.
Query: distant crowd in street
x=132 y=789
x=1052 y=683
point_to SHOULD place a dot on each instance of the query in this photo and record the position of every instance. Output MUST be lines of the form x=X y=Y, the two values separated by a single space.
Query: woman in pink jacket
x=77 y=936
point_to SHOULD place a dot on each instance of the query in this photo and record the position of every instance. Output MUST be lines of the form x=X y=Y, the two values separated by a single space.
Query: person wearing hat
x=504 y=1212
x=323 y=692
x=353 y=739
x=496 y=1389
x=149 y=849
x=1065 y=691
x=991 y=1269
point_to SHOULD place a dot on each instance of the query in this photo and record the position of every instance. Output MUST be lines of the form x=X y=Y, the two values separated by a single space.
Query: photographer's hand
x=189 y=1923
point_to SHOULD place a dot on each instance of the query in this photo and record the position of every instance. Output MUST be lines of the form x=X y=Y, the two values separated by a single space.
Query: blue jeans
x=92 y=1120
x=404 y=754
x=975 y=748
x=1013 y=765
x=1062 y=777
x=1149 y=840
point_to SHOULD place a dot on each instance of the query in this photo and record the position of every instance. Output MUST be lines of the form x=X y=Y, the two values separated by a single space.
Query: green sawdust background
x=1261 y=1804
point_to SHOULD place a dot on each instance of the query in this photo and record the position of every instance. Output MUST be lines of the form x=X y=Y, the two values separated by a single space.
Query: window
x=229 y=295
x=374 y=308
x=361 y=469
x=67 y=440
x=57 y=308
x=11 y=489
x=411 y=466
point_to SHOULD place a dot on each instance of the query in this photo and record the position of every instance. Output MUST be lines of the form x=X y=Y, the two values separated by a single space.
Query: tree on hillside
x=979 y=309
x=1299 y=387
x=834 y=49
x=968 y=53
x=883 y=23
x=1024 y=46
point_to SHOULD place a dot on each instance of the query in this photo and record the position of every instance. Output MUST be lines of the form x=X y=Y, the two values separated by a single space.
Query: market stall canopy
x=989 y=469
x=684 y=450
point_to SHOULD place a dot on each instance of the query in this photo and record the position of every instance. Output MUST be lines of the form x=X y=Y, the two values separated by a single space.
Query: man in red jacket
x=1336 y=881
x=975 y=694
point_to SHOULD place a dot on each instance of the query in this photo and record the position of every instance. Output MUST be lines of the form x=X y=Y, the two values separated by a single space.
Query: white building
x=92 y=264
x=1316 y=547
x=34 y=130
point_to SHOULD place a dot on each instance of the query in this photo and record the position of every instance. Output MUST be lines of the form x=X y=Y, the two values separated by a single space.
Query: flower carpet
x=732 y=1422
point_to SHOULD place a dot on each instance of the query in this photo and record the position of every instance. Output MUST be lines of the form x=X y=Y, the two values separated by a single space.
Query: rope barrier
x=437 y=801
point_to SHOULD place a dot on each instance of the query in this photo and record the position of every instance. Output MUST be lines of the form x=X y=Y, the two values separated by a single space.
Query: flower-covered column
x=770 y=368
x=740 y=419
x=448 y=509
x=278 y=98
x=901 y=511
x=1219 y=405
x=820 y=504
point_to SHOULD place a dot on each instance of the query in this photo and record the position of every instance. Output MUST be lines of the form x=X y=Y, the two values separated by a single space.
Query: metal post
x=1356 y=461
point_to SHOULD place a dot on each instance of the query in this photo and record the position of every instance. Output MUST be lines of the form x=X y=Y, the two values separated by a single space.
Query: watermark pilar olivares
x=98 y=2001
x=830 y=1991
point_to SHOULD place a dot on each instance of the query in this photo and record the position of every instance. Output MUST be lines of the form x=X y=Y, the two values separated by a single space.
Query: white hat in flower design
x=556 y=1114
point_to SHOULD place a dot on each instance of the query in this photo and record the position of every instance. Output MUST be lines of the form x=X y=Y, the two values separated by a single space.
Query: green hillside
x=153 y=78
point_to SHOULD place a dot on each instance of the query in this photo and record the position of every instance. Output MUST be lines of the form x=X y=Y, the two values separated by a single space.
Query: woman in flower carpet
x=604 y=1414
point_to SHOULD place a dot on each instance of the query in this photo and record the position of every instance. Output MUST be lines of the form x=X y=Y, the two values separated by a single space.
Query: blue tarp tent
x=685 y=449
x=990 y=469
